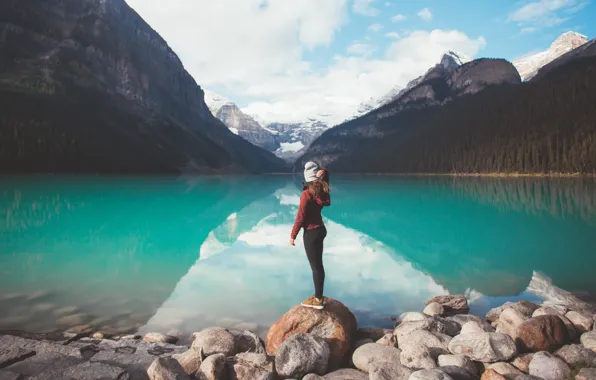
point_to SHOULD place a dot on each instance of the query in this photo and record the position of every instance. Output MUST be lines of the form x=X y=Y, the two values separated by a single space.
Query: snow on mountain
x=528 y=66
x=215 y=101
x=449 y=61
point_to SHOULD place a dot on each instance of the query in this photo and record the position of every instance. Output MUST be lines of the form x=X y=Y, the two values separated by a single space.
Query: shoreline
x=512 y=340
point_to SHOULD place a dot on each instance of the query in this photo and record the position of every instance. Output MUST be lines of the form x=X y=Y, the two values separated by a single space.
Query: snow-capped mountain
x=449 y=62
x=240 y=123
x=286 y=140
x=529 y=66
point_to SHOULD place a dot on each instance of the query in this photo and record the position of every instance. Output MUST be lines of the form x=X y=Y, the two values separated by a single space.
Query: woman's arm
x=299 y=216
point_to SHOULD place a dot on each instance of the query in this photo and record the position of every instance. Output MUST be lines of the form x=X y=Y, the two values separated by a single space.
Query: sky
x=289 y=60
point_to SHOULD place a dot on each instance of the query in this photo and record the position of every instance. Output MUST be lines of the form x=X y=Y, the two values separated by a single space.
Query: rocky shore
x=515 y=341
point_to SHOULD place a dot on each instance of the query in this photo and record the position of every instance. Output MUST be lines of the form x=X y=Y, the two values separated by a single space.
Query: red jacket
x=309 y=213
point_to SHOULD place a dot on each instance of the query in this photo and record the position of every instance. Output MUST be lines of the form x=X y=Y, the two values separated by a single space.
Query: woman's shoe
x=314 y=303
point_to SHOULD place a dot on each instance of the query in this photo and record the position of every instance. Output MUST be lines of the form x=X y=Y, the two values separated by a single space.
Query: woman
x=315 y=196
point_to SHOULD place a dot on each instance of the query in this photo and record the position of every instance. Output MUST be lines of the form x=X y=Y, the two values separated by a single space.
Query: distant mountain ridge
x=449 y=61
x=286 y=140
x=530 y=65
x=480 y=118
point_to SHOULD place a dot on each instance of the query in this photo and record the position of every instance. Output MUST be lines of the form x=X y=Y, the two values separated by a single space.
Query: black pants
x=313 y=244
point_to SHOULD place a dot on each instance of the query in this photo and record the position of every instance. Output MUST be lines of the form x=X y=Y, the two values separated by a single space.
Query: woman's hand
x=292 y=242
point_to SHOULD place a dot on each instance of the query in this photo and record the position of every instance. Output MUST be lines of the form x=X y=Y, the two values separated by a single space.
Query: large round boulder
x=589 y=340
x=452 y=304
x=214 y=340
x=549 y=367
x=374 y=352
x=302 y=354
x=543 y=333
x=335 y=323
x=484 y=346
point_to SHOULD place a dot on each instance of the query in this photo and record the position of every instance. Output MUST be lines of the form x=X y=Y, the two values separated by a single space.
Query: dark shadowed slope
x=88 y=86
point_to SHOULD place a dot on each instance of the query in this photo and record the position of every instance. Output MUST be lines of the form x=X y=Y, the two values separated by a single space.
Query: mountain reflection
x=184 y=254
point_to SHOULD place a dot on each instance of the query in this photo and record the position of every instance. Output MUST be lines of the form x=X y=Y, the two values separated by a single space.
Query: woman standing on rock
x=315 y=196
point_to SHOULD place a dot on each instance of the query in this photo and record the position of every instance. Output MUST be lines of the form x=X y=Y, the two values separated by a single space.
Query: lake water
x=147 y=254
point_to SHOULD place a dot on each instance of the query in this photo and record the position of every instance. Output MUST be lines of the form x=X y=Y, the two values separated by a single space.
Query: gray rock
x=430 y=374
x=7 y=375
x=506 y=369
x=549 y=367
x=247 y=341
x=458 y=373
x=434 y=308
x=40 y=347
x=43 y=362
x=371 y=352
x=432 y=324
x=462 y=319
x=586 y=374
x=526 y=308
x=373 y=334
x=388 y=340
x=528 y=377
x=473 y=327
x=509 y=320
x=436 y=344
x=312 y=376
x=412 y=316
x=136 y=364
x=458 y=361
x=418 y=357
x=10 y=355
x=581 y=322
x=166 y=369
x=484 y=347
x=249 y=366
x=214 y=340
x=302 y=354
x=346 y=374
x=190 y=361
x=452 y=304
x=522 y=362
x=577 y=356
x=85 y=371
x=388 y=371
x=212 y=368
x=548 y=310
x=154 y=337
x=589 y=340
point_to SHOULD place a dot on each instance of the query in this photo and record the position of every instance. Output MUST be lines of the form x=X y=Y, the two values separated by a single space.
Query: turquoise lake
x=180 y=254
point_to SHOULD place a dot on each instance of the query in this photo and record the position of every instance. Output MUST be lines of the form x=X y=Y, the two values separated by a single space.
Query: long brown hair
x=320 y=187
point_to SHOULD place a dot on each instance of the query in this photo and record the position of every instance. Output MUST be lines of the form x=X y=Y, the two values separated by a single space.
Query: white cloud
x=206 y=35
x=364 y=7
x=375 y=27
x=347 y=82
x=392 y=35
x=398 y=17
x=358 y=48
x=425 y=14
x=267 y=68
x=545 y=13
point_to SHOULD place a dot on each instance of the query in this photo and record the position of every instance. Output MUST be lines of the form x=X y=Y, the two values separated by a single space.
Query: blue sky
x=287 y=60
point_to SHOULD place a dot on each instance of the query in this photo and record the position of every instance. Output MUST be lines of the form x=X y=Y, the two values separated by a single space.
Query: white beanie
x=310 y=171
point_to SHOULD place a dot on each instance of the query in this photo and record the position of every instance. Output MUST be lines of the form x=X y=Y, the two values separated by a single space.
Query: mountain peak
x=452 y=59
x=529 y=66
x=215 y=101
